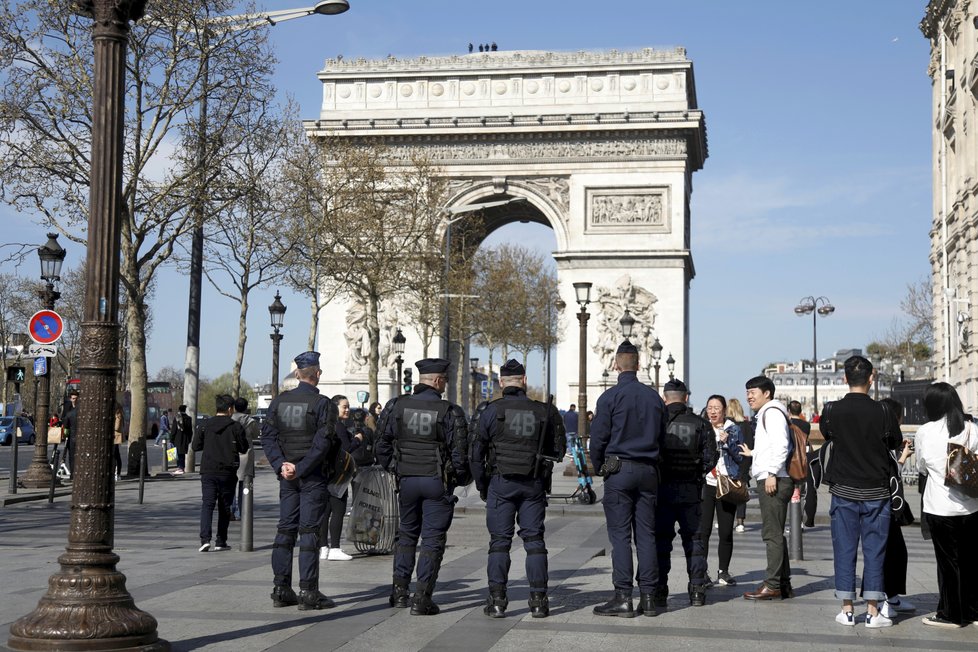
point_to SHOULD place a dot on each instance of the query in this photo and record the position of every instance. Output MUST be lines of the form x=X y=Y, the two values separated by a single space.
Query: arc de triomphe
x=601 y=145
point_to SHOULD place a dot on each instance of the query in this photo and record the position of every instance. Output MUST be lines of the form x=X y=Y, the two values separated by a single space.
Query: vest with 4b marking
x=420 y=440
x=295 y=420
x=516 y=434
x=682 y=452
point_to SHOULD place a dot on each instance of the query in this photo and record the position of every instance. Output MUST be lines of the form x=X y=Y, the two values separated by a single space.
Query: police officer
x=512 y=458
x=424 y=441
x=628 y=427
x=296 y=436
x=685 y=455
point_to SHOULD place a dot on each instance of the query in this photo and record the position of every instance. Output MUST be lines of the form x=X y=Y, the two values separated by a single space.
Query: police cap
x=512 y=368
x=307 y=359
x=676 y=385
x=432 y=366
x=626 y=347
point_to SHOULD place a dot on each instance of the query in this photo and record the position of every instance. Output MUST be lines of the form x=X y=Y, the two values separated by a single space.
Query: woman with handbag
x=726 y=475
x=332 y=525
x=950 y=507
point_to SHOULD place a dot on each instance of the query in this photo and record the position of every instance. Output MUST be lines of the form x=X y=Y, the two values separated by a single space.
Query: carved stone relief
x=358 y=339
x=556 y=189
x=621 y=208
x=613 y=301
x=566 y=149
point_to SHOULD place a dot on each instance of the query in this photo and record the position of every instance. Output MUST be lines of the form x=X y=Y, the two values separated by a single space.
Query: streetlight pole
x=87 y=606
x=474 y=366
x=814 y=306
x=399 y=341
x=39 y=472
x=583 y=295
x=277 y=313
x=239 y=22
x=671 y=366
x=656 y=356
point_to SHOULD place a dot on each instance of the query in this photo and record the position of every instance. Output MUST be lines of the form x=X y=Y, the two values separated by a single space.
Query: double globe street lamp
x=815 y=307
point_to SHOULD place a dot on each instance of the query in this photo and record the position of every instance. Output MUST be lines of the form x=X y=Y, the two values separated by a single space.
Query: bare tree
x=176 y=58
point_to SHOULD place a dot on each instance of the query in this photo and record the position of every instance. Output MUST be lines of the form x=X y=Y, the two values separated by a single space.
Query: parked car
x=22 y=425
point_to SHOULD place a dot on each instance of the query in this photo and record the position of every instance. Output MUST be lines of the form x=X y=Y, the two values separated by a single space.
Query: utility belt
x=613 y=464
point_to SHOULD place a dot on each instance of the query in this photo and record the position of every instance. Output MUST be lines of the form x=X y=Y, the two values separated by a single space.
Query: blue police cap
x=676 y=385
x=626 y=347
x=307 y=359
x=512 y=368
x=432 y=366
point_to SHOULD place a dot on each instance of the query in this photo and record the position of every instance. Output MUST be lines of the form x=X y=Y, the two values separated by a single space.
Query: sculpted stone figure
x=613 y=302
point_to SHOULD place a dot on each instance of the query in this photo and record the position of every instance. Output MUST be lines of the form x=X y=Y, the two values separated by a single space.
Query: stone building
x=951 y=26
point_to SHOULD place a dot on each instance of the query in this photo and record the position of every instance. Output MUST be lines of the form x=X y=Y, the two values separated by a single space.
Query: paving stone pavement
x=220 y=601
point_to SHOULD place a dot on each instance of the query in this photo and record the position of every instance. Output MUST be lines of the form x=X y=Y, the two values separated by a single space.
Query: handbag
x=731 y=490
x=961 y=471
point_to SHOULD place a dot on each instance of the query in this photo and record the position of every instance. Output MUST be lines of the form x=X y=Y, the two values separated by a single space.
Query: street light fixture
x=582 y=293
x=399 y=340
x=38 y=474
x=656 y=356
x=671 y=365
x=474 y=366
x=277 y=313
x=604 y=380
x=815 y=307
x=627 y=324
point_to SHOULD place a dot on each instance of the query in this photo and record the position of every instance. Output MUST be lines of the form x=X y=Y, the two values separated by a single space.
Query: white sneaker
x=846 y=618
x=888 y=610
x=739 y=528
x=335 y=554
x=324 y=553
x=204 y=547
x=900 y=605
x=878 y=621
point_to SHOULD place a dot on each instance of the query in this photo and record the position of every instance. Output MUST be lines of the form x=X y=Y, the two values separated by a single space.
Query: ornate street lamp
x=582 y=292
x=474 y=366
x=399 y=340
x=814 y=307
x=656 y=356
x=627 y=323
x=604 y=380
x=277 y=313
x=38 y=475
x=671 y=365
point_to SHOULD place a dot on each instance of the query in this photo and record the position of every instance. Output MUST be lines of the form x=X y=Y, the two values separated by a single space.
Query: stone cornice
x=954 y=11
x=505 y=61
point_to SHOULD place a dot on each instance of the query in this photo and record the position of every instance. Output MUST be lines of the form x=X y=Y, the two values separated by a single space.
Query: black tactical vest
x=516 y=434
x=681 y=454
x=421 y=449
x=295 y=420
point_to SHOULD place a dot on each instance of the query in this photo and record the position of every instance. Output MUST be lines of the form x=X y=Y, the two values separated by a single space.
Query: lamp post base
x=87 y=608
x=38 y=476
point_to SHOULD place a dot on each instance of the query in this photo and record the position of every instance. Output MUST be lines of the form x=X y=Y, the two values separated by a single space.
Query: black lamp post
x=38 y=474
x=474 y=366
x=582 y=292
x=604 y=380
x=814 y=307
x=671 y=365
x=627 y=324
x=277 y=312
x=656 y=356
x=399 y=341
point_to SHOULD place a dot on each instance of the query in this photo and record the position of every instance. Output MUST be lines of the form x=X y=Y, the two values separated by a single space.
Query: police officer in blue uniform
x=628 y=427
x=424 y=442
x=685 y=455
x=296 y=437
x=517 y=441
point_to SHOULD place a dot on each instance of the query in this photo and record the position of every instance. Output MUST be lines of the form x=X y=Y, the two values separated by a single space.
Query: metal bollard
x=54 y=474
x=796 y=550
x=142 y=474
x=13 y=459
x=248 y=515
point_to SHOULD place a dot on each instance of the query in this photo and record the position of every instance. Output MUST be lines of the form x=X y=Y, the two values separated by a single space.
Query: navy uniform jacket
x=629 y=421
x=453 y=427
x=555 y=442
x=325 y=433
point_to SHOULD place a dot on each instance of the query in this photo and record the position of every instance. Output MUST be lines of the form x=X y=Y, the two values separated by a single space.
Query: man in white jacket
x=770 y=473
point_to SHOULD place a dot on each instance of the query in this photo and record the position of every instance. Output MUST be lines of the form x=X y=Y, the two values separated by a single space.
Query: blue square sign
x=40 y=366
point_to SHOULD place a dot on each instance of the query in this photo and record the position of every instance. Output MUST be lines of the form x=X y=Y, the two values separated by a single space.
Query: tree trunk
x=373 y=333
x=314 y=321
x=492 y=387
x=242 y=339
x=136 y=334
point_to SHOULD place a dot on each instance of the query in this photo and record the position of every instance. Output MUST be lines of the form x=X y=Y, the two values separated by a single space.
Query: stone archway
x=602 y=145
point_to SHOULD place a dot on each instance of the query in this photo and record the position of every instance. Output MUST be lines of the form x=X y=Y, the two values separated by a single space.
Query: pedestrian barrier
x=374 y=516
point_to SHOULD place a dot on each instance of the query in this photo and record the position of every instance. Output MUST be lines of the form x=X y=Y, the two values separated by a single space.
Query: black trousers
x=725 y=513
x=957 y=566
x=332 y=527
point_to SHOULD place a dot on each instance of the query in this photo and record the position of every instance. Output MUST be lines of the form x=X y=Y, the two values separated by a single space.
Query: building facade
x=951 y=26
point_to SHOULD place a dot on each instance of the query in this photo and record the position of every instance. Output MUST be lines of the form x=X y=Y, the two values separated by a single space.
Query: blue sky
x=818 y=181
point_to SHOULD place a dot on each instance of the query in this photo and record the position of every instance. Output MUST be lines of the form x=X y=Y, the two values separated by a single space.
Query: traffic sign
x=16 y=374
x=40 y=366
x=45 y=327
x=485 y=389
x=42 y=351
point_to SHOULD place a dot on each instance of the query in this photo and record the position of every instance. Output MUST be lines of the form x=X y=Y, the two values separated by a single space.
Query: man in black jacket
x=862 y=433
x=222 y=439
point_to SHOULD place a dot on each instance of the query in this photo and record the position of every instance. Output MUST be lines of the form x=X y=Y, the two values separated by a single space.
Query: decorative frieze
x=627 y=209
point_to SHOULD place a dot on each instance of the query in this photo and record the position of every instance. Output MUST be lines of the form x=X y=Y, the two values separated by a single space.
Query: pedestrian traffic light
x=408 y=388
x=16 y=374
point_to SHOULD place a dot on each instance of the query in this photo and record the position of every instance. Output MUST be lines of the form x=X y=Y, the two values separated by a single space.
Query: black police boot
x=313 y=599
x=497 y=603
x=646 y=604
x=421 y=604
x=697 y=596
x=660 y=595
x=620 y=605
x=400 y=596
x=539 y=604
x=284 y=596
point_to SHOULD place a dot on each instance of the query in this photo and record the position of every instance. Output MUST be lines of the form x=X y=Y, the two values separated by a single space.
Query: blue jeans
x=868 y=520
